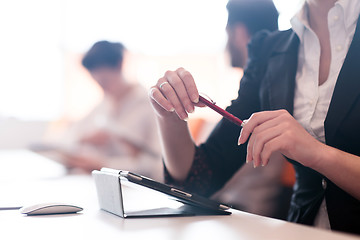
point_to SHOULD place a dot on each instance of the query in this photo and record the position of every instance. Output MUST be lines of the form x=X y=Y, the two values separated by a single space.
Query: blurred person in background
x=121 y=131
x=259 y=190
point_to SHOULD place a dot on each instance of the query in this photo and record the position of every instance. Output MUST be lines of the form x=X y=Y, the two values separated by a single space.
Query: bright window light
x=39 y=36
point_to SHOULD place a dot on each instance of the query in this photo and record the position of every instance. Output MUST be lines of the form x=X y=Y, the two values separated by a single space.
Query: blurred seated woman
x=121 y=131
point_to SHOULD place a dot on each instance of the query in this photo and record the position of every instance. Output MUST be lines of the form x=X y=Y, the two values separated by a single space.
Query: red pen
x=221 y=111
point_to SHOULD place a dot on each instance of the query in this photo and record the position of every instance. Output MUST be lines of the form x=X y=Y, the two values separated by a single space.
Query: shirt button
x=312 y=101
x=339 y=47
x=324 y=183
x=336 y=17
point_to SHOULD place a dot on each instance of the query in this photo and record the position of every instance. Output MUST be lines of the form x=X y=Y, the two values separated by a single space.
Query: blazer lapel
x=347 y=88
x=280 y=78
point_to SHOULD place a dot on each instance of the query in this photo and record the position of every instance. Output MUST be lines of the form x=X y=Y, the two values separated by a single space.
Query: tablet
x=193 y=204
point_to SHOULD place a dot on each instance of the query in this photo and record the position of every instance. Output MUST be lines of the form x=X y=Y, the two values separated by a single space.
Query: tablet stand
x=112 y=198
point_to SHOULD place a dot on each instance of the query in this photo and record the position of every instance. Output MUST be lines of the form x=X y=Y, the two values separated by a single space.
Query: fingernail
x=172 y=109
x=186 y=119
x=191 y=110
x=263 y=165
x=195 y=99
x=240 y=140
x=247 y=161
x=239 y=143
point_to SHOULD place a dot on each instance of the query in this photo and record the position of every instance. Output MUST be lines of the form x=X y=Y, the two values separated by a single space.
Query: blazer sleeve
x=216 y=160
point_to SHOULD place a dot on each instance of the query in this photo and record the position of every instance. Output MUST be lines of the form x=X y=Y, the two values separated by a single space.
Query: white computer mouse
x=50 y=208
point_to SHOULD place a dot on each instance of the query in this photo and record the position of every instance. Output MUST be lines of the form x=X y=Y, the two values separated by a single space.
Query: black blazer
x=269 y=84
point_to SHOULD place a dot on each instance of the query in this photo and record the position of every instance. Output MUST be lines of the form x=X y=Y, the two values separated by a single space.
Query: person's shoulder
x=139 y=91
x=138 y=95
x=264 y=42
x=275 y=37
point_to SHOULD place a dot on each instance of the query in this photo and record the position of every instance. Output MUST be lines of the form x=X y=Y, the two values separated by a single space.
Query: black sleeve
x=216 y=160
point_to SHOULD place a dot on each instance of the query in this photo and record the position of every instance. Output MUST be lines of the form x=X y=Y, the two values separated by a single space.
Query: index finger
x=255 y=120
x=189 y=83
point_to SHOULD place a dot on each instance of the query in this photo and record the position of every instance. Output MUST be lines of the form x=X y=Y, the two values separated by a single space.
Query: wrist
x=325 y=158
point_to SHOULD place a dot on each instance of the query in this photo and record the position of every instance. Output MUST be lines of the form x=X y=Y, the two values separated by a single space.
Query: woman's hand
x=83 y=161
x=277 y=131
x=175 y=92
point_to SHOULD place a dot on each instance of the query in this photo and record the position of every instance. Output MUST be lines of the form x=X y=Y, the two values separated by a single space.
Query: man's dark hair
x=256 y=15
x=103 y=54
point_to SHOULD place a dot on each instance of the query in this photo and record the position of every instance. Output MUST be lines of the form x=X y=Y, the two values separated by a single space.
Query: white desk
x=93 y=223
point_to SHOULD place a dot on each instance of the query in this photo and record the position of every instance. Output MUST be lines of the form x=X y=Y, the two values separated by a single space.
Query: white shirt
x=311 y=102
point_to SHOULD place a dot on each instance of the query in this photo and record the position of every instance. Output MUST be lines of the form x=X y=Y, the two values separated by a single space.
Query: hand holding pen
x=177 y=92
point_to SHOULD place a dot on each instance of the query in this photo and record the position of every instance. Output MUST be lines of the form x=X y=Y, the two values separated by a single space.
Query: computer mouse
x=50 y=208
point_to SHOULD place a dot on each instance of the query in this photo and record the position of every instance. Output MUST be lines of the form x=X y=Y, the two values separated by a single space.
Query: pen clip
x=207 y=97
